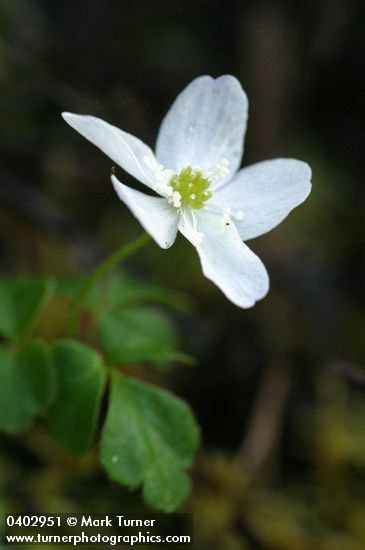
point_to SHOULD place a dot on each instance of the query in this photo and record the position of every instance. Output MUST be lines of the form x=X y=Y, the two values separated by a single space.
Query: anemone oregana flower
x=200 y=190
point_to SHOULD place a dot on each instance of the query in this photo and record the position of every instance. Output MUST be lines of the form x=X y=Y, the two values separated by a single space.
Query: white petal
x=155 y=215
x=123 y=148
x=265 y=193
x=205 y=124
x=227 y=261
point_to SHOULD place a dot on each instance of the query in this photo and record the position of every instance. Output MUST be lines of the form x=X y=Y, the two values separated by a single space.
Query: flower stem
x=99 y=272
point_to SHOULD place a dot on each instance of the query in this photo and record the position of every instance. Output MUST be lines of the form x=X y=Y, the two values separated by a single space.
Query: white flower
x=201 y=192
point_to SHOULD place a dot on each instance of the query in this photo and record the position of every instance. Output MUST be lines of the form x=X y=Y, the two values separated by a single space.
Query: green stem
x=99 y=272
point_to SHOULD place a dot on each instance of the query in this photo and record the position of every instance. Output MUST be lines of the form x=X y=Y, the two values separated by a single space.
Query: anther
x=175 y=199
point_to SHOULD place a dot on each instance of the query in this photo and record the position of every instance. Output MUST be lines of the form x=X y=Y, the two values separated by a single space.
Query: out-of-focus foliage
x=149 y=437
x=81 y=381
x=147 y=431
x=130 y=335
x=27 y=385
x=281 y=385
x=21 y=301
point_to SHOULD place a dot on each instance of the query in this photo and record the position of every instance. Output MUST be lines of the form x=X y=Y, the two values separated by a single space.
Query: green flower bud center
x=192 y=186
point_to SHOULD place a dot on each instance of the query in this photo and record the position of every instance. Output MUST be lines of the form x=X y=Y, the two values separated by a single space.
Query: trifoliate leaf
x=22 y=299
x=122 y=290
x=27 y=385
x=136 y=334
x=150 y=438
x=73 y=418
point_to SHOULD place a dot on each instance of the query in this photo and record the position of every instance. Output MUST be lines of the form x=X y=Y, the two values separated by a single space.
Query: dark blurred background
x=279 y=389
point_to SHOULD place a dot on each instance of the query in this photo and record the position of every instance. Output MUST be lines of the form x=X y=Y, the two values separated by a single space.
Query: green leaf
x=70 y=285
x=150 y=438
x=120 y=290
x=73 y=418
x=138 y=334
x=22 y=300
x=27 y=385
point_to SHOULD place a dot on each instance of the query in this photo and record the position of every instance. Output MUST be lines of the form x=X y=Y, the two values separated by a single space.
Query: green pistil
x=192 y=186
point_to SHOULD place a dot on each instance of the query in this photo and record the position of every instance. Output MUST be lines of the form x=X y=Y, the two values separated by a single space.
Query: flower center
x=192 y=186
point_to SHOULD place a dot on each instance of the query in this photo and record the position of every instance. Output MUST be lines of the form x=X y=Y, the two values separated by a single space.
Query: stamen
x=191 y=188
x=175 y=199
x=162 y=177
x=218 y=172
